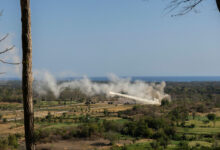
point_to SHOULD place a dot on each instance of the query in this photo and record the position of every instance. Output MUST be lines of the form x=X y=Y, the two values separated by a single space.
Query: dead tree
x=186 y=6
x=27 y=74
x=6 y=50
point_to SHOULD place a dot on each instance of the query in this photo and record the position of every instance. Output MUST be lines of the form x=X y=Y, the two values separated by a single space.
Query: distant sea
x=145 y=78
x=166 y=78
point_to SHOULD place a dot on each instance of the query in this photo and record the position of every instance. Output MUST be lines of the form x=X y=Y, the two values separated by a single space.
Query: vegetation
x=10 y=142
x=186 y=122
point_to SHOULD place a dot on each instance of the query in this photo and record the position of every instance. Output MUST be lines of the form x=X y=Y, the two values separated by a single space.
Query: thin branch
x=5 y=62
x=2 y=39
x=187 y=6
x=7 y=49
x=190 y=7
x=1 y=12
x=2 y=72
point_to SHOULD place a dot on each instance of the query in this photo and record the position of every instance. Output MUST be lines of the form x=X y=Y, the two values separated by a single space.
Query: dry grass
x=11 y=128
x=99 y=144
x=203 y=143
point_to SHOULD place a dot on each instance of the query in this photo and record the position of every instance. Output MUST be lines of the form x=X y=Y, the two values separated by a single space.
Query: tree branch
x=187 y=6
x=7 y=49
x=2 y=39
x=1 y=12
x=5 y=62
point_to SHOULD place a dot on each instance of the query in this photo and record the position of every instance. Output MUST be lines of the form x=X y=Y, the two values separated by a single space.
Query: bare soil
x=100 y=144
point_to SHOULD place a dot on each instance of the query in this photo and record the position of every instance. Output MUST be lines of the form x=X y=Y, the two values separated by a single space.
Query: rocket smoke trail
x=145 y=101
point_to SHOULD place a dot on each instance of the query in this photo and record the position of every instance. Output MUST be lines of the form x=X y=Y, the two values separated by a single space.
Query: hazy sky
x=125 y=37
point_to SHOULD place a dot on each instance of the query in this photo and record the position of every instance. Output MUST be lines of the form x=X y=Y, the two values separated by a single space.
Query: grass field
x=74 y=111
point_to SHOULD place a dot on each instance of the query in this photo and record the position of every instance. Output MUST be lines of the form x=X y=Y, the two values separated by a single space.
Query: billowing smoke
x=138 y=90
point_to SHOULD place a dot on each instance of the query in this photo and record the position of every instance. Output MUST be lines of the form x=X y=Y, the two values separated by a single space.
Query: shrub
x=164 y=141
x=3 y=144
x=170 y=131
x=106 y=112
x=86 y=130
x=192 y=125
x=112 y=126
x=159 y=134
x=211 y=117
x=155 y=123
x=112 y=137
x=41 y=134
x=49 y=117
x=183 y=145
x=201 y=109
x=165 y=102
x=9 y=143
x=13 y=141
x=155 y=145
x=4 y=120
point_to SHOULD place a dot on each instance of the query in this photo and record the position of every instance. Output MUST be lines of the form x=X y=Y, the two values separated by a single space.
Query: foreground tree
x=186 y=5
x=218 y=4
x=27 y=74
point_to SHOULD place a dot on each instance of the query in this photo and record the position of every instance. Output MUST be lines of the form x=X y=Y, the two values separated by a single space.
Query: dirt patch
x=11 y=128
x=100 y=144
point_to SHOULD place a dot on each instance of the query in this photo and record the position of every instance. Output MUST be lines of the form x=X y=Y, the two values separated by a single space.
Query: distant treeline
x=10 y=91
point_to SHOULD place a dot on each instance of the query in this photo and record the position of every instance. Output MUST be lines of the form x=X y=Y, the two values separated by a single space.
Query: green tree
x=164 y=102
x=212 y=117
x=164 y=141
x=194 y=115
x=112 y=137
x=49 y=117
x=4 y=120
x=106 y=112
x=155 y=145
x=183 y=145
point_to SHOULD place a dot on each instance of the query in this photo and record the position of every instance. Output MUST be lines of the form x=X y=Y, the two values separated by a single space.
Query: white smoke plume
x=137 y=89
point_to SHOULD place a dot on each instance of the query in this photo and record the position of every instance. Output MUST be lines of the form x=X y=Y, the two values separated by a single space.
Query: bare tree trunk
x=27 y=74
